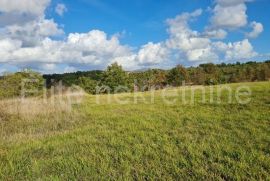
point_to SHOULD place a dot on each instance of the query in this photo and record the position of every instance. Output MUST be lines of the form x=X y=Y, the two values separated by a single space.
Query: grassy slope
x=143 y=141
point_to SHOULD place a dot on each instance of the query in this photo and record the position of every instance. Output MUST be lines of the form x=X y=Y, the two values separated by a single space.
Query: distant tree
x=204 y=74
x=27 y=82
x=160 y=79
x=212 y=73
x=198 y=76
x=89 y=85
x=209 y=68
x=177 y=75
x=263 y=72
x=154 y=78
x=114 y=77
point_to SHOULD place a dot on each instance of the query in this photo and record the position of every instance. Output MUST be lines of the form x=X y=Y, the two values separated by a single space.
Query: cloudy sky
x=68 y=35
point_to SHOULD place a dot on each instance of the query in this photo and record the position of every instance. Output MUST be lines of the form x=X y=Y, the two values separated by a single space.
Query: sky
x=57 y=36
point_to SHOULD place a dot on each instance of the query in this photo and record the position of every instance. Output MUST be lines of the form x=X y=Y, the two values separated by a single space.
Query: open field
x=142 y=138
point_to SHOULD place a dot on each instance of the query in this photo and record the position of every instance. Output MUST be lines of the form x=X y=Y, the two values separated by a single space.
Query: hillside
x=141 y=138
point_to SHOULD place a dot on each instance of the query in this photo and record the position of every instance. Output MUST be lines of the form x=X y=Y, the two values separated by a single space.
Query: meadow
x=138 y=136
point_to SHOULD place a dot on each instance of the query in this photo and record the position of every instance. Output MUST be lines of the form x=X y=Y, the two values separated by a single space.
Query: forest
x=11 y=85
x=204 y=74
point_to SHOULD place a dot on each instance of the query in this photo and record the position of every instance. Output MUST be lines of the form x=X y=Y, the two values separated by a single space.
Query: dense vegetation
x=204 y=74
x=142 y=141
x=108 y=81
x=26 y=83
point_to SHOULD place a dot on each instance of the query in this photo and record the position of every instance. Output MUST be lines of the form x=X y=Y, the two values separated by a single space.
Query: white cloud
x=239 y=50
x=202 y=55
x=48 y=66
x=31 y=33
x=257 y=30
x=229 y=15
x=152 y=54
x=60 y=9
x=215 y=34
x=93 y=48
x=182 y=38
x=96 y=47
x=21 y=11
x=24 y=6
x=128 y=62
x=7 y=45
x=15 y=18
x=199 y=47
x=232 y=15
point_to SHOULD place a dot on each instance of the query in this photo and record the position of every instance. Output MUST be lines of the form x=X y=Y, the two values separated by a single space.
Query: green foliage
x=178 y=75
x=25 y=83
x=114 y=77
x=150 y=79
x=197 y=76
x=88 y=84
x=204 y=74
x=69 y=79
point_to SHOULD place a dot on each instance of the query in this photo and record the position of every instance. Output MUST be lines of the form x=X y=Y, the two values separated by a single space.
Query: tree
x=27 y=82
x=177 y=75
x=114 y=77
x=89 y=85
x=197 y=76
x=212 y=73
x=159 y=78
x=209 y=68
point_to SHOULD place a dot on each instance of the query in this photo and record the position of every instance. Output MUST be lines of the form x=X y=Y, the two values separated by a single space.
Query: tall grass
x=24 y=119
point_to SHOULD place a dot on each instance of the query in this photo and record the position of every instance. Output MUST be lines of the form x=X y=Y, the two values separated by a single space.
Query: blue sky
x=68 y=35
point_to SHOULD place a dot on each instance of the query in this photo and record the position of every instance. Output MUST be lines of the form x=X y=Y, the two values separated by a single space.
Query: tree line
x=204 y=74
x=12 y=85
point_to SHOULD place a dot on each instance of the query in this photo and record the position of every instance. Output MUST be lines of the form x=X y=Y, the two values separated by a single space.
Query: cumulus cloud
x=29 y=40
x=152 y=54
x=182 y=38
x=240 y=50
x=201 y=47
x=21 y=11
x=60 y=9
x=24 y=6
x=229 y=14
x=92 y=48
x=235 y=50
x=257 y=30
x=31 y=33
x=7 y=45
x=215 y=34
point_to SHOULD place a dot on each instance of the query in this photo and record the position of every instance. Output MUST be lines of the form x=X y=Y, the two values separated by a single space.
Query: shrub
x=26 y=83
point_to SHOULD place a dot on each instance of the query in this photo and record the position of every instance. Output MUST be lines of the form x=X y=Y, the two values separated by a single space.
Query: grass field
x=138 y=140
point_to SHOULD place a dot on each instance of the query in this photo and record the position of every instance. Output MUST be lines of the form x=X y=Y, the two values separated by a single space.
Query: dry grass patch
x=30 y=118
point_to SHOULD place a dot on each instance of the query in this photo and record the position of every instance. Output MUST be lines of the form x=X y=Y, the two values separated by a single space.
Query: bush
x=26 y=83
x=177 y=75
x=88 y=85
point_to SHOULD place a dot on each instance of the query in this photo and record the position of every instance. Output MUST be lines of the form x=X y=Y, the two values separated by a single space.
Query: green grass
x=143 y=141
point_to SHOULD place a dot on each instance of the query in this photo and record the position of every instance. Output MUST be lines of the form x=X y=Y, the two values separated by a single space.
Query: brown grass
x=29 y=118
